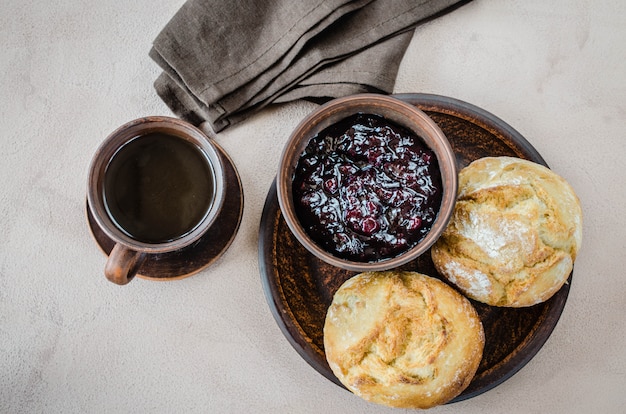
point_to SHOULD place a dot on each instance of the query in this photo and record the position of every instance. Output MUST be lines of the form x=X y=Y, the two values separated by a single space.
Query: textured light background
x=71 y=71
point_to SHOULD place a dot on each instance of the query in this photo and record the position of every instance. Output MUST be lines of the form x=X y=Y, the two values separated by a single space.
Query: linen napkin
x=224 y=60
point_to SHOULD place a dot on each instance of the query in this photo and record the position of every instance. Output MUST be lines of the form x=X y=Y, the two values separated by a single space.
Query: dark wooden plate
x=299 y=287
x=201 y=254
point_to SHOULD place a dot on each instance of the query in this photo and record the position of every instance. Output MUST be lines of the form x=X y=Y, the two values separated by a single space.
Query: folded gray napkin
x=224 y=60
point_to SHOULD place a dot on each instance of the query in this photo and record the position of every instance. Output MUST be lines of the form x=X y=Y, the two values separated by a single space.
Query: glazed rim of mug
x=395 y=111
x=124 y=134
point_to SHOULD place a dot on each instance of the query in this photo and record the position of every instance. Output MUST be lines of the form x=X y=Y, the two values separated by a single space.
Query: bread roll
x=514 y=234
x=402 y=339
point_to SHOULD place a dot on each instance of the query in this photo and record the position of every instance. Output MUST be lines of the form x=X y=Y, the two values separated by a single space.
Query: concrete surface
x=71 y=71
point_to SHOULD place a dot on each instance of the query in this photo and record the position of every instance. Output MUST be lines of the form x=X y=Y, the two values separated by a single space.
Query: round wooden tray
x=299 y=287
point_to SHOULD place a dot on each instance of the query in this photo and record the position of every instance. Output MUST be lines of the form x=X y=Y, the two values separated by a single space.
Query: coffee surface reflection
x=158 y=187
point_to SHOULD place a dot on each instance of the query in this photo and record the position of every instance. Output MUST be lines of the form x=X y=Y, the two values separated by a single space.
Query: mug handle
x=123 y=264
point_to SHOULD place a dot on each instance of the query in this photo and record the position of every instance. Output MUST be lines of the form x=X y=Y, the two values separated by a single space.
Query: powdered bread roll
x=514 y=234
x=402 y=339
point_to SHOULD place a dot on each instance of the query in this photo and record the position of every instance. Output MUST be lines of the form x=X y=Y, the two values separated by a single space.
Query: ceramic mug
x=156 y=185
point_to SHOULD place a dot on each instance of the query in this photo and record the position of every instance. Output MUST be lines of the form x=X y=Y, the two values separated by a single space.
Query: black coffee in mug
x=158 y=187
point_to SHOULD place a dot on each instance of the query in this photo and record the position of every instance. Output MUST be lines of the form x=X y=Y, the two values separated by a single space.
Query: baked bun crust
x=514 y=234
x=402 y=339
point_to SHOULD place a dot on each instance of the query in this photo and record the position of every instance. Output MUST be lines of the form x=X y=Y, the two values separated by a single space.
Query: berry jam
x=366 y=189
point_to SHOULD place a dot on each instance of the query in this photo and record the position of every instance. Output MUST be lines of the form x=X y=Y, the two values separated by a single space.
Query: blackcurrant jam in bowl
x=367 y=182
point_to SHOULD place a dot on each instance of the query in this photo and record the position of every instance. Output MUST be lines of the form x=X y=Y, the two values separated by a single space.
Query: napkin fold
x=224 y=60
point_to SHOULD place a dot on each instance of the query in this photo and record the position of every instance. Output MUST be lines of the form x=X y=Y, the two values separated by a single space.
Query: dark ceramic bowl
x=396 y=111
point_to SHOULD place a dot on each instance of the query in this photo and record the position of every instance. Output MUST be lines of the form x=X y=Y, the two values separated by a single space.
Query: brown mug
x=156 y=185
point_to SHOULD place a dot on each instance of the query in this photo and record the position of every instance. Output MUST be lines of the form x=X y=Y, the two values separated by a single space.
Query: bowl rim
x=396 y=111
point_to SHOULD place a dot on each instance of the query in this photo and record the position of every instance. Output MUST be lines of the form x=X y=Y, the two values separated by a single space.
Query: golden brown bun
x=402 y=339
x=514 y=234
